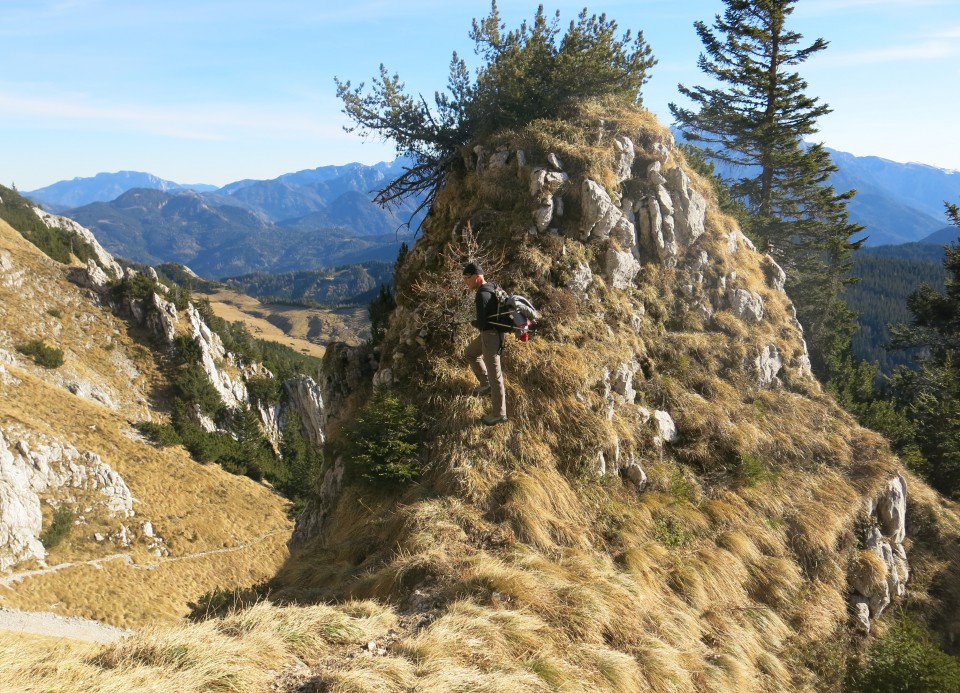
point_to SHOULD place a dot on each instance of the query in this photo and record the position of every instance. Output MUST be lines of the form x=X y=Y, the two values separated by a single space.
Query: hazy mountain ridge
x=898 y=203
x=303 y=220
x=152 y=226
x=104 y=187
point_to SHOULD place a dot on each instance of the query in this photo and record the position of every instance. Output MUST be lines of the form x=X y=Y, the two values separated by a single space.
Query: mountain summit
x=674 y=503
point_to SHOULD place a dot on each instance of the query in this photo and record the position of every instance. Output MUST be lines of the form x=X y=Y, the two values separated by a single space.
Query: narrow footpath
x=74 y=627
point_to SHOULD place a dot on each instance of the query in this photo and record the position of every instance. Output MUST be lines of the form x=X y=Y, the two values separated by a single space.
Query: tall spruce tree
x=757 y=120
x=930 y=394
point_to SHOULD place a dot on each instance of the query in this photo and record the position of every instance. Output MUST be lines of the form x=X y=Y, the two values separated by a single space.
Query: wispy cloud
x=818 y=8
x=191 y=122
x=940 y=46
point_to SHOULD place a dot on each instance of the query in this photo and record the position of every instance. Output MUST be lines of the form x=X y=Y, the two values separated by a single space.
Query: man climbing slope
x=483 y=353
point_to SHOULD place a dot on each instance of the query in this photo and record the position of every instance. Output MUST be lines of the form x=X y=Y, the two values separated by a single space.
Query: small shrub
x=59 y=528
x=668 y=531
x=383 y=440
x=54 y=312
x=42 y=355
x=907 y=658
x=163 y=435
x=750 y=469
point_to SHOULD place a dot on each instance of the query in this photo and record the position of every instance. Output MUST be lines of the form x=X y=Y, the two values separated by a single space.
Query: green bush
x=163 y=435
x=265 y=390
x=907 y=660
x=137 y=286
x=59 y=527
x=42 y=355
x=383 y=440
x=192 y=385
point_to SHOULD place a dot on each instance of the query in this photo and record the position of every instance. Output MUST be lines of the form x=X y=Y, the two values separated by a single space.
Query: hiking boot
x=493 y=419
x=481 y=390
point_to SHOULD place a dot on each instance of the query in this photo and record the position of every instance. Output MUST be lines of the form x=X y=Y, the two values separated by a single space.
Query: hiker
x=483 y=353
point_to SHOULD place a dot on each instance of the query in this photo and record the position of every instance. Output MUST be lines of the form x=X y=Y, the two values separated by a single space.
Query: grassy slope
x=305 y=330
x=512 y=566
x=729 y=573
x=195 y=508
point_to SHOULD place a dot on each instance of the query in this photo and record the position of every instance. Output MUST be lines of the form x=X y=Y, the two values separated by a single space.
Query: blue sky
x=212 y=91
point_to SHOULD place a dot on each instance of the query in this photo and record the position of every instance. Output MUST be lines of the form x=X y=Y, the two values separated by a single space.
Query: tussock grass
x=511 y=566
x=244 y=652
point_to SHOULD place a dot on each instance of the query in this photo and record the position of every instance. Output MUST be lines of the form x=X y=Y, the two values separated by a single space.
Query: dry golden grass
x=195 y=508
x=305 y=330
x=713 y=578
x=248 y=651
x=511 y=566
x=719 y=576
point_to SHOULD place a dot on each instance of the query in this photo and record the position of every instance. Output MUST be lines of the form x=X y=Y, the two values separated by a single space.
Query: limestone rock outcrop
x=90 y=276
x=104 y=259
x=56 y=471
x=212 y=357
x=882 y=569
x=305 y=397
x=20 y=516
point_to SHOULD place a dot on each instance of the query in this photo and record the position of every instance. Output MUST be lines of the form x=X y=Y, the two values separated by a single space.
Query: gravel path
x=8 y=580
x=73 y=627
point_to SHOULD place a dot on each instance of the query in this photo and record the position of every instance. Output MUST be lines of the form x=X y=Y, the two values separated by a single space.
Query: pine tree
x=757 y=119
x=930 y=395
x=379 y=311
x=527 y=73
x=300 y=459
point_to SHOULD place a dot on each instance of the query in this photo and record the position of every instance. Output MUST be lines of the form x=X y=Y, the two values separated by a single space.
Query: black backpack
x=514 y=314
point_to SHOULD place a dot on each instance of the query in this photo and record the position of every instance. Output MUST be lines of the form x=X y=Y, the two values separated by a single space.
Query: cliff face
x=674 y=503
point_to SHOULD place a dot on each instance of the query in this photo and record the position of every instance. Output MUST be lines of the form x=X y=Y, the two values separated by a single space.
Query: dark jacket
x=487 y=307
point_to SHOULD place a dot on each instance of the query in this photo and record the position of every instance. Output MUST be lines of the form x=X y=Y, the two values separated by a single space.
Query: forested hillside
x=880 y=297
x=347 y=284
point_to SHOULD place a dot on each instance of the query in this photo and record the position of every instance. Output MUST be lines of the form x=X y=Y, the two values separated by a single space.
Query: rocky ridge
x=669 y=368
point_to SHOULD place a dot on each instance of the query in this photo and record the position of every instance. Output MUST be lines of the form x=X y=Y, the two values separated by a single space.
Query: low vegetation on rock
x=41 y=353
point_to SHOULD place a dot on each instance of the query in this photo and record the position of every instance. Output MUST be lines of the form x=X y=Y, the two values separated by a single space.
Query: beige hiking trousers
x=483 y=353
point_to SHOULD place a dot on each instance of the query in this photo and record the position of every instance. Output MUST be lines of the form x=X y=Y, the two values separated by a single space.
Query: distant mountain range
x=103 y=187
x=898 y=203
x=317 y=218
x=325 y=216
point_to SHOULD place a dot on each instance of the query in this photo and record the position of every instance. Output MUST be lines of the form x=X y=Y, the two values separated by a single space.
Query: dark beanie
x=471 y=268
